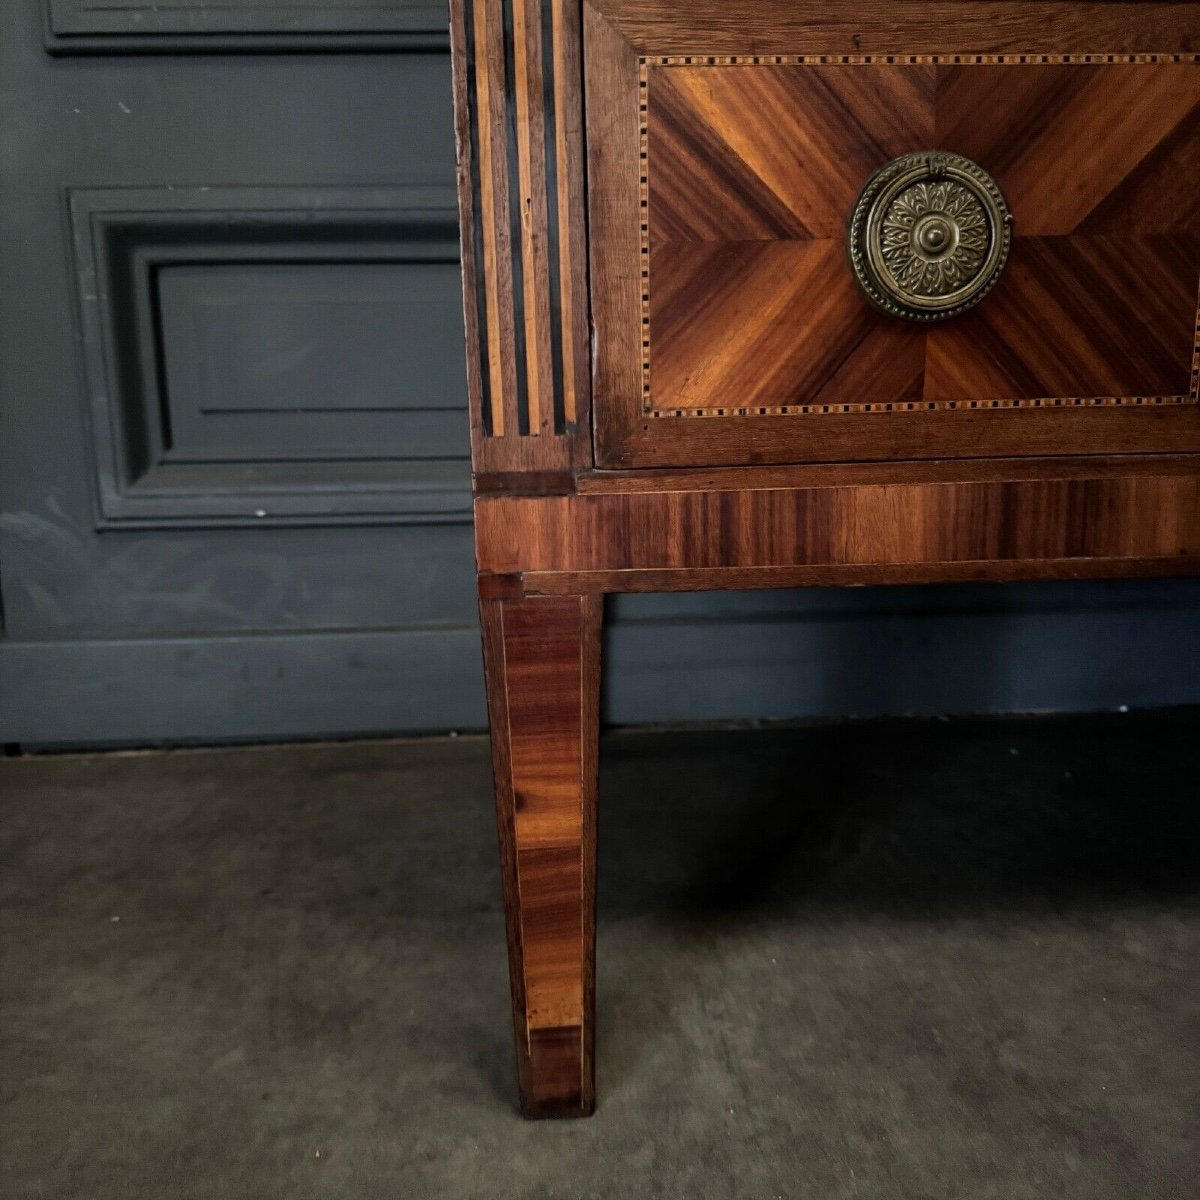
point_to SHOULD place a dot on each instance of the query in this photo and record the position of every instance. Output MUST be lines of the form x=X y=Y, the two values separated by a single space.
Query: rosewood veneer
x=788 y=292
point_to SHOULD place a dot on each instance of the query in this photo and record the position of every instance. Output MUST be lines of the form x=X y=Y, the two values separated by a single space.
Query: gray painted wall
x=865 y=652
x=234 y=456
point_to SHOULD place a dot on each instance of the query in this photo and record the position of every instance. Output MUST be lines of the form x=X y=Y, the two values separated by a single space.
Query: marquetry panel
x=751 y=166
x=521 y=186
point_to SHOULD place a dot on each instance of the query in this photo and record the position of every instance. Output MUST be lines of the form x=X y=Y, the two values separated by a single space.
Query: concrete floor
x=890 y=960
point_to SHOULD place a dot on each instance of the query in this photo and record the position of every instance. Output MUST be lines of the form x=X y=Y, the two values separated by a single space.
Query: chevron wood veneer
x=752 y=166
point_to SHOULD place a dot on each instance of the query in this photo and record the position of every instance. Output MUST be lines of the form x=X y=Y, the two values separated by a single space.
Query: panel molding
x=121 y=236
x=198 y=26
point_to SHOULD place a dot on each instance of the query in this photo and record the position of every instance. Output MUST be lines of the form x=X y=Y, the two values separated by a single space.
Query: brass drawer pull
x=929 y=236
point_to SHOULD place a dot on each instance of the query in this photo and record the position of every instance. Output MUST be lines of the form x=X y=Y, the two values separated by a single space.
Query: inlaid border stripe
x=902 y=60
x=534 y=110
x=644 y=229
x=562 y=210
x=646 y=62
x=486 y=352
x=490 y=331
x=551 y=67
x=522 y=120
x=1196 y=355
x=929 y=406
x=518 y=397
x=521 y=58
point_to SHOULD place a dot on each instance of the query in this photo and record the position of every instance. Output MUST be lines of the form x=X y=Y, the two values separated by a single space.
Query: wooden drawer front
x=752 y=171
x=748 y=338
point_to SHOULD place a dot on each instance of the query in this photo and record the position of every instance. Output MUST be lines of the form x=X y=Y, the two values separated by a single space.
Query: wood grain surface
x=1044 y=522
x=542 y=662
x=749 y=152
x=964 y=27
x=754 y=168
x=519 y=129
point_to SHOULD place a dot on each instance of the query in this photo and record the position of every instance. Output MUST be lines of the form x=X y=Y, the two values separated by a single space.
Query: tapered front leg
x=542 y=657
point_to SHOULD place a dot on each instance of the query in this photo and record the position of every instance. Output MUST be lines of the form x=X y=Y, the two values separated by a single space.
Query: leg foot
x=542 y=658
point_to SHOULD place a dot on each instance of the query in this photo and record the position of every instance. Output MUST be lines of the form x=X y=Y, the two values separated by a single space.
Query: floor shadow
x=716 y=836
x=902 y=816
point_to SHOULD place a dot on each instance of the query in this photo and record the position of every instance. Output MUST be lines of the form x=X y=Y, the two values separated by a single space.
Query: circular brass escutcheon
x=929 y=236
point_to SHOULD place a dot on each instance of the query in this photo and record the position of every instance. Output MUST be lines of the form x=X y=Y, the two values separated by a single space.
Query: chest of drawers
x=787 y=293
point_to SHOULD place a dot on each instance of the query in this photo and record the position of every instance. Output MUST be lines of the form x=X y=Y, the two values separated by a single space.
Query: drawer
x=761 y=179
